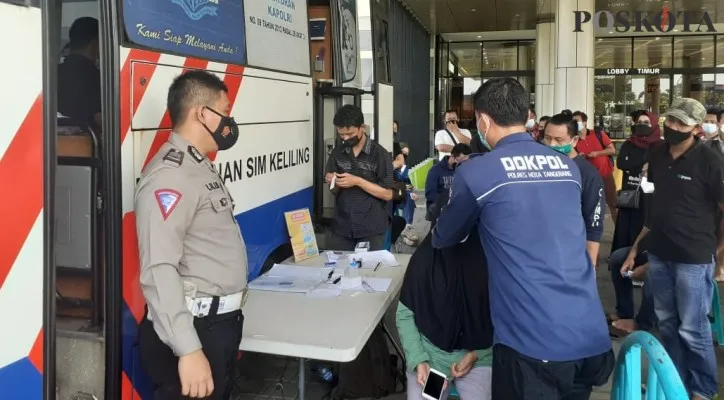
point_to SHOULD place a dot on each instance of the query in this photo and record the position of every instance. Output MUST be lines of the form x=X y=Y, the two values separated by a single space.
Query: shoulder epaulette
x=173 y=157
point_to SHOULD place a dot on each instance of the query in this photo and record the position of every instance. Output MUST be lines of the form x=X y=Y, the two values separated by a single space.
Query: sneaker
x=409 y=233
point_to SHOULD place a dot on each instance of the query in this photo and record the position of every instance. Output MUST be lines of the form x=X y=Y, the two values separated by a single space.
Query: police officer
x=193 y=257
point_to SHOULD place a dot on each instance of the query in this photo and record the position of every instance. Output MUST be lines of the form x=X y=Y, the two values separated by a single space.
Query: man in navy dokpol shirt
x=551 y=335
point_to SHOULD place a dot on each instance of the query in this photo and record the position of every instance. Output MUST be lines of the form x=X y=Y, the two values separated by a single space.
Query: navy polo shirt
x=592 y=199
x=526 y=201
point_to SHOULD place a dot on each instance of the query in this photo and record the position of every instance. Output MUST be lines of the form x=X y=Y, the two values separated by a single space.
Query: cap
x=689 y=111
x=83 y=31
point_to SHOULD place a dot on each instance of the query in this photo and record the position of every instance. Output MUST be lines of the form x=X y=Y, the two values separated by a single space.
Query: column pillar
x=653 y=83
x=574 y=84
x=524 y=51
x=545 y=58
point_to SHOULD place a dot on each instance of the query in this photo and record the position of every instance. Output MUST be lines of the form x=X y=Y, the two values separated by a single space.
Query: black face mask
x=351 y=142
x=674 y=137
x=642 y=130
x=228 y=141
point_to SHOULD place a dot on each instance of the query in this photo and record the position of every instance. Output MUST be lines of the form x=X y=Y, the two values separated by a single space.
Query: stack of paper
x=370 y=259
x=290 y=278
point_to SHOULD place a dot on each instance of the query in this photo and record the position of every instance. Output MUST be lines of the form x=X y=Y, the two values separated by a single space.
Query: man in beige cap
x=684 y=247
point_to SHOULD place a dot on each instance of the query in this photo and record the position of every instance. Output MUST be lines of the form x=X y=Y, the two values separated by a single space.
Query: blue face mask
x=564 y=149
x=580 y=126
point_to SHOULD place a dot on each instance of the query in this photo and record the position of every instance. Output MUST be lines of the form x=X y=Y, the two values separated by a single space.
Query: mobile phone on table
x=434 y=385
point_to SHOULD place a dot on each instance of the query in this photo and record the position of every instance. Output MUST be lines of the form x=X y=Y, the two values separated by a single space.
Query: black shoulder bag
x=630 y=198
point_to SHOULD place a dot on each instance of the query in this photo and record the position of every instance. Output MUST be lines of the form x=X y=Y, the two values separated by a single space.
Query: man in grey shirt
x=193 y=257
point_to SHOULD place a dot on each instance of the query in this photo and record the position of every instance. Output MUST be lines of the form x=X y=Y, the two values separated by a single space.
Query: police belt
x=201 y=307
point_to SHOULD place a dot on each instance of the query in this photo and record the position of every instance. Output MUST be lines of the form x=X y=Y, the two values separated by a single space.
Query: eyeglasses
x=452 y=121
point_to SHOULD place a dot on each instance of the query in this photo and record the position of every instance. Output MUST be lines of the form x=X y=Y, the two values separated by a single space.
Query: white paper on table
x=377 y=284
x=370 y=259
x=325 y=293
x=296 y=271
x=290 y=278
x=332 y=256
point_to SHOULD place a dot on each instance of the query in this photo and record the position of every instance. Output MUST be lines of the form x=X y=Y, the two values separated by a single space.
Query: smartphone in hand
x=434 y=385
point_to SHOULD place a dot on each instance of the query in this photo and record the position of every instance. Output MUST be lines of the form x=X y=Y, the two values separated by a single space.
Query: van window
x=207 y=29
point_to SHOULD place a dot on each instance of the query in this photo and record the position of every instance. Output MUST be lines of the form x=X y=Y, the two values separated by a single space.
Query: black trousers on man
x=341 y=243
x=220 y=336
x=519 y=377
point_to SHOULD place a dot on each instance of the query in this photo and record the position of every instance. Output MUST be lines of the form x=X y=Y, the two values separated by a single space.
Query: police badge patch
x=167 y=200
x=197 y=9
x=195 y=154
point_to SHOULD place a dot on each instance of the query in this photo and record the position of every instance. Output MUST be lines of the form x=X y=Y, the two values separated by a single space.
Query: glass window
x=720 y=51
x=500 y=56
x=701 y=87
x=694 y=51
x=613 y=53
x=652 y=52
x=526 y=56
x=718 y=91
x=467 y=58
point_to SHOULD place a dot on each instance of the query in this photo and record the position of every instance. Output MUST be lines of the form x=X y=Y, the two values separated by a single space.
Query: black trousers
x=518 y=377
x=220 y=336
x=341 y=243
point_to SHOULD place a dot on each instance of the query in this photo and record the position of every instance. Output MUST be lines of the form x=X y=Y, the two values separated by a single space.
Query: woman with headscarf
x=443 y=317
x=632 y=161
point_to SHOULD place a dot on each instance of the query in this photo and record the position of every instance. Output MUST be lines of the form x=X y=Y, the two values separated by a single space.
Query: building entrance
x=616 y=96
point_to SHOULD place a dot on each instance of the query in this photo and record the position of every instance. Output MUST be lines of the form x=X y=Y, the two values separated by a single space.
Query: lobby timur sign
x=643 y=21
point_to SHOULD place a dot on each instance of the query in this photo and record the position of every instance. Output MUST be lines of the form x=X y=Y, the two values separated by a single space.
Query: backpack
x=371 y=374
x=599 y=135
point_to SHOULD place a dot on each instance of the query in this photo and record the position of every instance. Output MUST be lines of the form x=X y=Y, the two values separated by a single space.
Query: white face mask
x=709 y=128
x=580 y=126
x=646 y=186
x=530 y=123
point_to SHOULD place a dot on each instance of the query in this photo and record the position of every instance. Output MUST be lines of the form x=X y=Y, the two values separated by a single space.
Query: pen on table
x=336 y=281
x=377 y=266
x=330 y=275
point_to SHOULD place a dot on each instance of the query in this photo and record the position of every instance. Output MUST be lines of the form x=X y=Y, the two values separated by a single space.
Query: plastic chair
x=663 y=381
x=716 y=325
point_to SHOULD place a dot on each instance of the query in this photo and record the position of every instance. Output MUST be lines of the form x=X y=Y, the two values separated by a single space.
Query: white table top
x=329 y=329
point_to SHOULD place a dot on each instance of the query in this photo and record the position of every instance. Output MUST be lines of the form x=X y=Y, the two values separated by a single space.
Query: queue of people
x=668 y=234
x=470 y=302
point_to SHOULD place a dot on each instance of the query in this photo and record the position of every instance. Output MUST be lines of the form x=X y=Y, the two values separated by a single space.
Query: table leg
x=392 y=340
x=302 y=381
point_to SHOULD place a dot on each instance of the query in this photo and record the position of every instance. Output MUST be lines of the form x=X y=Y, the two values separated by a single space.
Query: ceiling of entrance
x=449 y=16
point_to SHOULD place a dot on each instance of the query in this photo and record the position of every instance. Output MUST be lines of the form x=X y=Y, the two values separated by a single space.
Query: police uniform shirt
x=187 y=233
x=526 y=201
x=358 y=214
x=685 y=208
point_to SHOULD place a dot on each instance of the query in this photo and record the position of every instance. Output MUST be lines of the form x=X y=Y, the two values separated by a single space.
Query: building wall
x=410 y=69
x=411 y=72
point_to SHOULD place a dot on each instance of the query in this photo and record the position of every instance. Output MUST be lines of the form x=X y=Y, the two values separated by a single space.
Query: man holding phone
x=359 y=173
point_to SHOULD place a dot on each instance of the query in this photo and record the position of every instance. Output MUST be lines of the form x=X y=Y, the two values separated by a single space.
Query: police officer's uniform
x=193 y=267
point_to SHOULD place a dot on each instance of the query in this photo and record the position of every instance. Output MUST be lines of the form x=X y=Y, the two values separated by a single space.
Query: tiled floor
x=275 y=378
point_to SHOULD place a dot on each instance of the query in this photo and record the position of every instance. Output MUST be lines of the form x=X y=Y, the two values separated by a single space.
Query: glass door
x=618 y=95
